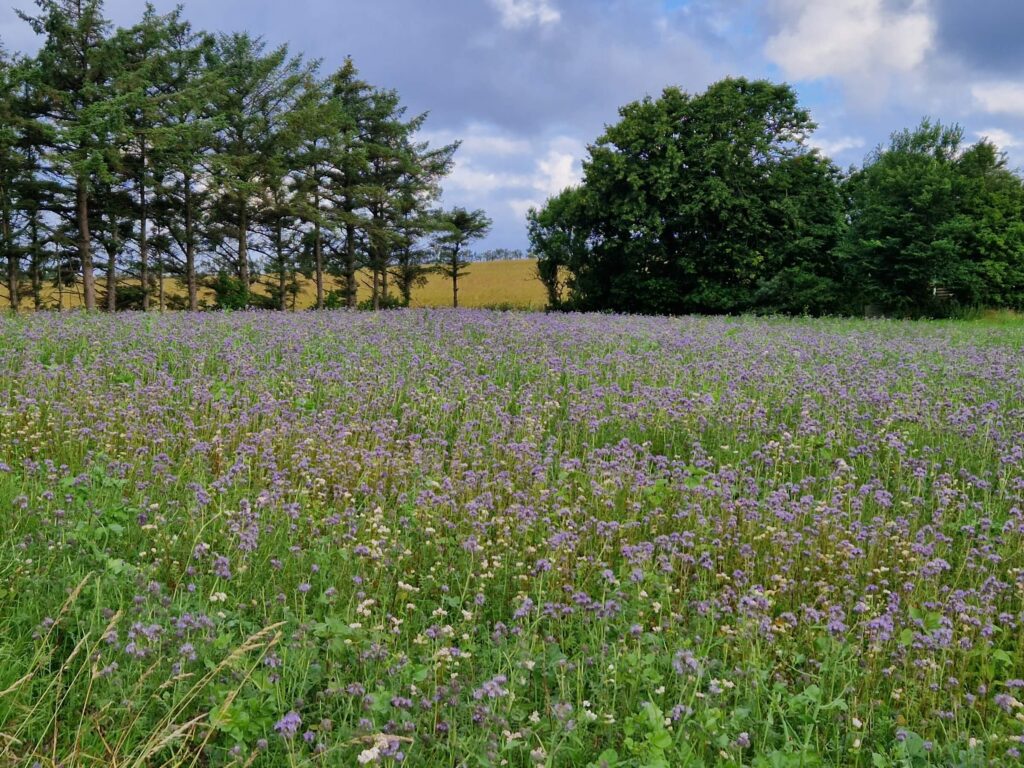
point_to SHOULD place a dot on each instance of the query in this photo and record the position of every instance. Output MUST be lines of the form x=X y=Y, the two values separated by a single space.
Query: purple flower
x=492 y=689
x=288 y=725
x=222 y=567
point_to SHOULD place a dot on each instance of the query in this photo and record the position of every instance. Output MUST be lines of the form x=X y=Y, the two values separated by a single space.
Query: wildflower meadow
x=469 y=538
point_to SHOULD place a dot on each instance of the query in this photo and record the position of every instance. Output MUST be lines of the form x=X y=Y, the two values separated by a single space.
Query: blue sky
x=526 y=84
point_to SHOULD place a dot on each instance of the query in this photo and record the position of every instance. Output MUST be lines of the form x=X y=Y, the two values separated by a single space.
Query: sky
x=527 y=84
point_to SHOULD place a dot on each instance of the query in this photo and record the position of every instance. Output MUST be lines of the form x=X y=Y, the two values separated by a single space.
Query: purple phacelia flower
x=288 y=725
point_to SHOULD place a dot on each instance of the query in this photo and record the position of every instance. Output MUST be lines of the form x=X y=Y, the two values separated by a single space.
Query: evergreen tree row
x=715 y=202
x=130 y=155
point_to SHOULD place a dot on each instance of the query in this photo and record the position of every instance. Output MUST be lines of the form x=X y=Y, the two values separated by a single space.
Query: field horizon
x=511 y=284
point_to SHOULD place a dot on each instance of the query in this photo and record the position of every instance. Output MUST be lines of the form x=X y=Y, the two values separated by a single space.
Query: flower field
x=435 y=538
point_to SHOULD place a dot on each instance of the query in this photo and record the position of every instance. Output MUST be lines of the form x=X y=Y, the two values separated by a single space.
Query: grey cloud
x=535 y=82
x=529 y=94
x=988 y=35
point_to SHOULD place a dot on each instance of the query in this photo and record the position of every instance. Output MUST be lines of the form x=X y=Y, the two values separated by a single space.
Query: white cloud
x=521 y=206
x=521 y=13
x=478 y=141
x=850 y=38
x=467 y=178
x=1002 y=139
x=558 y=169
x=517 y=174
x=1003 y=97
x=834 y=147
x=494 y=145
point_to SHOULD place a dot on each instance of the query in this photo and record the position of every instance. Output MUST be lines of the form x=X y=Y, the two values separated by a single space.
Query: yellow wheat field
x=510 y=284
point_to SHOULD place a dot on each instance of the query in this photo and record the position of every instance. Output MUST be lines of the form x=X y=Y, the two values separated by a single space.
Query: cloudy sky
x=526 y=84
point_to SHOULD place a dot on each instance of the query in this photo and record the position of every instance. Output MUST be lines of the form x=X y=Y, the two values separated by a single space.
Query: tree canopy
x=158 y=150
x=716 y=202
x=932 y=220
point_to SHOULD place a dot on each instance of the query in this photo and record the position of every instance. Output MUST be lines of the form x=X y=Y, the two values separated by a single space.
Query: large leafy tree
x=559 y=238
x=929 y=218
x=806 y=215
x=690 y=202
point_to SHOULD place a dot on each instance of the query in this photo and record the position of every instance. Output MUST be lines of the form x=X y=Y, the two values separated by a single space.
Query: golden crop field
x=512 y=284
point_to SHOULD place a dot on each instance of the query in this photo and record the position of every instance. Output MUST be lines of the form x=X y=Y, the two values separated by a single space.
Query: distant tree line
x=131 y=155
x=715 y=202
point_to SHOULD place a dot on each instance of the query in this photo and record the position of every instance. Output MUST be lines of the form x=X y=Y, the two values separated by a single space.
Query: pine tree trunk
x=318 y=253
x=143 y=234
x=112 y=283
x=12 y=256
x=160 y=280
x=350 y=266
x=243 y=249
x=282 y=268
x=190 y=249
x=455 y=277
x=36 y=267
x=85 y=244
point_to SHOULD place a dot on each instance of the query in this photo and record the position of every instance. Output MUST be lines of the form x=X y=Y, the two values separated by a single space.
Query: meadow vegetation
x=438 y=538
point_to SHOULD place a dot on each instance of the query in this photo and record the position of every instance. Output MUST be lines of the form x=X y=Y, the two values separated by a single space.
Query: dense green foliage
x=157 y=150
x=715 y=203
x=927 y=213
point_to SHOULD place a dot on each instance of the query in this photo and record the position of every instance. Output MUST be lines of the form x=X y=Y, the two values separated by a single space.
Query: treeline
x=715 y=203
x=130 y=155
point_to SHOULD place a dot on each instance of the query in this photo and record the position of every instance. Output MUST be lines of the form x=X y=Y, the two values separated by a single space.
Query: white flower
x=369 y=755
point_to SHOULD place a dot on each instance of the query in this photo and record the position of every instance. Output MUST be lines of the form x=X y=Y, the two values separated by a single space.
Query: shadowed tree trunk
x=12 y=257
x=190 y=249
x=36 y=264
x=143 y=234
x=112 y=282
x=84 y=244
x=350 y=266
x=318 y=256
x=243 y=249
